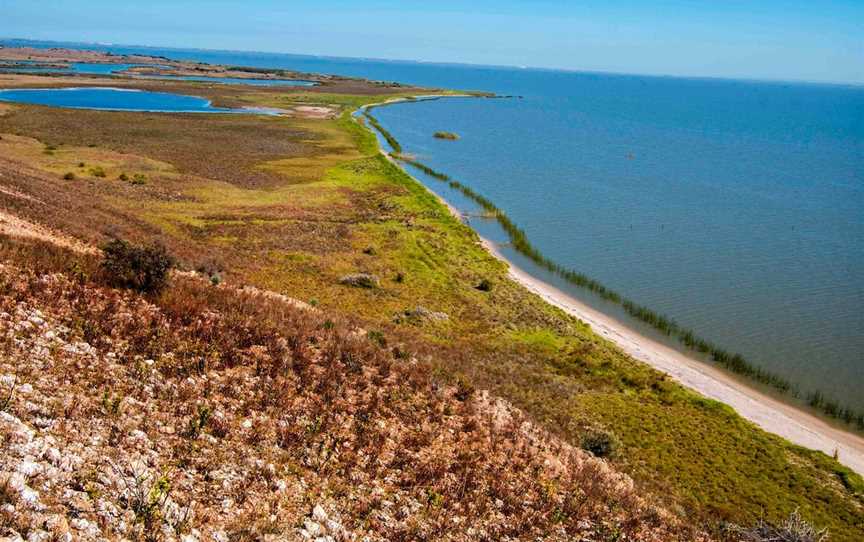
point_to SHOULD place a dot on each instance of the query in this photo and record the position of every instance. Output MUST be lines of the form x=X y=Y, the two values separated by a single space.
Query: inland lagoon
x=117 y=99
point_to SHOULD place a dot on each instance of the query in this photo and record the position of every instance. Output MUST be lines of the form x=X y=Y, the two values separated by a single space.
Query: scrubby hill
x=228 y=414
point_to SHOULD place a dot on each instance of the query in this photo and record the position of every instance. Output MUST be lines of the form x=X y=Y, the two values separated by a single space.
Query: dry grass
x=212 y=410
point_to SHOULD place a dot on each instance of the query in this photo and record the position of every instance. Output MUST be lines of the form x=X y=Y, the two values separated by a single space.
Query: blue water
x=113 y=99
x=95 y=68
x=736 y=207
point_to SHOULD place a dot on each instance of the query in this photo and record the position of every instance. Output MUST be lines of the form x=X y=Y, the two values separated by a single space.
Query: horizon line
x=755 y=79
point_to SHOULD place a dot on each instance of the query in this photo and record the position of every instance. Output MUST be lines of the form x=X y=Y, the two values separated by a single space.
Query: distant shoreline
x=772 y=415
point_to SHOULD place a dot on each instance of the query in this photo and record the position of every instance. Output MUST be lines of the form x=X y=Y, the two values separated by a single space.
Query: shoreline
x=768 y=413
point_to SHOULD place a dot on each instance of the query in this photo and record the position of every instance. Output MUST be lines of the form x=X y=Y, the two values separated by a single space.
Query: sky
x=811 y=40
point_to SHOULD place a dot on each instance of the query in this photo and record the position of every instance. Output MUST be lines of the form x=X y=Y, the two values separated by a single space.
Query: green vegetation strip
x=394 y=144
x=734 y=362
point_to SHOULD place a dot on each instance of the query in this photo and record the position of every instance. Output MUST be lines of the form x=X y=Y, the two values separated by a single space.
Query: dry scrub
x=215 y=412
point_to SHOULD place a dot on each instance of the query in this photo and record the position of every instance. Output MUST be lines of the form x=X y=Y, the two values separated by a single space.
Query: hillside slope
x=216 y=413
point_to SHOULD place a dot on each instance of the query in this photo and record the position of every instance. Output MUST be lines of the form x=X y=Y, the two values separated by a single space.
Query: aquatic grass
x=732 y=361
x=394 y=144
x=446 y=135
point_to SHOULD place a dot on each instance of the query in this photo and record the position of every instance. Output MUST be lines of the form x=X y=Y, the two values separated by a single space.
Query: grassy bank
x=294 y=205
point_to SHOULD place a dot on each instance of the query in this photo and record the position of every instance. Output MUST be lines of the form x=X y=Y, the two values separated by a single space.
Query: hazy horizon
x=772 y=40
x=157 y=47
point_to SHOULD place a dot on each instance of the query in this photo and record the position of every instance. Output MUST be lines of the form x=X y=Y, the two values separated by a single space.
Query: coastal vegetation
x=291 y=206
x=446 y=135
x=731 y=361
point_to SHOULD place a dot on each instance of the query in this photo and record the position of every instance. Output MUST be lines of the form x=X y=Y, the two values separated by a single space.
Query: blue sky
x=814 y=40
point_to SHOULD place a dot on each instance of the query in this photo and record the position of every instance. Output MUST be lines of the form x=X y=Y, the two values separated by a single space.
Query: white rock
x=53 y=456
x=312 y=529
x=29 y=468
x=319 y=514
x=38 y=536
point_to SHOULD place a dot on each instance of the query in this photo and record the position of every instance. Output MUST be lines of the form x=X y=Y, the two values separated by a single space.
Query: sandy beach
x=770 y=414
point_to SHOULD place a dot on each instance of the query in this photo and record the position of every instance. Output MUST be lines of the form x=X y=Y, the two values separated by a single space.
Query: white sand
x=767 y=412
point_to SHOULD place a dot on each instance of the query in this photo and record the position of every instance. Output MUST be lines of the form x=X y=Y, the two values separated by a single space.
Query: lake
x=734 y=207
x=115 y=99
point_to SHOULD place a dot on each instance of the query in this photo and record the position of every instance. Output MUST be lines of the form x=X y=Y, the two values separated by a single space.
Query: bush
x=793 y=529
x=97 y=172
x=123 y=177
x=599 y=442
x=144 y=269
x=69 y=176
x=360 y=280
x=138 y=178
x=485 y=285
x=464 y=389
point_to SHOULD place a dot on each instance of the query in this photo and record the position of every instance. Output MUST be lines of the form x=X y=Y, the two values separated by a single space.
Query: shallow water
x=736 y=207
x=738 y=211
x=113 y=99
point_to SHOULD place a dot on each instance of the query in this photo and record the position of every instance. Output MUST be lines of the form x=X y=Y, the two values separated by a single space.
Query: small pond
x=116 y=99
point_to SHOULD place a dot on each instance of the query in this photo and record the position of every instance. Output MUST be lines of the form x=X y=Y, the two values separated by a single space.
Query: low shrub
x=69 y=176
x=600 y=442
x=793 y=529
x=484 y=285
x=144 y=269
x=360 y=280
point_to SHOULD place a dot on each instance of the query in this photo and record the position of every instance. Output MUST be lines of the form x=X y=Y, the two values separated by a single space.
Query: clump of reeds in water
x=450 y=136
x=394 y=144
x=734 y=362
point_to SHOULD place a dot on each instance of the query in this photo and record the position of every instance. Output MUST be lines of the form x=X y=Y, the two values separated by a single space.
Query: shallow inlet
x=116 y=99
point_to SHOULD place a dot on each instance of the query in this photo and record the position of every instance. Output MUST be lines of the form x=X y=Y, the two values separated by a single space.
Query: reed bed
x=732 y=361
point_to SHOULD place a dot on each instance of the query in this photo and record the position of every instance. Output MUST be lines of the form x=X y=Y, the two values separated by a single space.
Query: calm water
x=114 y=99
x=736 y=207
